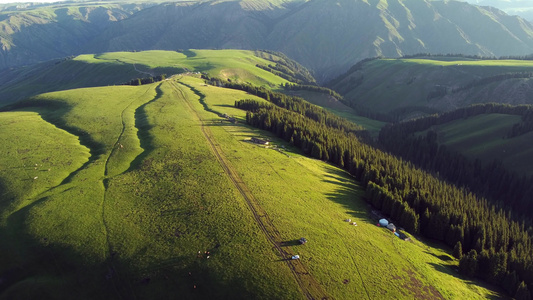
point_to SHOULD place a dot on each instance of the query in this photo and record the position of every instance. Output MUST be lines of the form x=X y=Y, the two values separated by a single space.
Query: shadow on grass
x=451 y=270
x=446 y=269
x=32 y=268
x=7 y=197
x=441 y=257
x=52 y=112
x=225 y=105
x=35 y=268
x=344 y=195
x=188 y=53
x=143 y=131
x=207 y=66
x=202 y=99
x=290 y=243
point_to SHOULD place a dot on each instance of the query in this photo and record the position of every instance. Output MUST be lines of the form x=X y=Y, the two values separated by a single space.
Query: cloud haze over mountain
x=522 y=8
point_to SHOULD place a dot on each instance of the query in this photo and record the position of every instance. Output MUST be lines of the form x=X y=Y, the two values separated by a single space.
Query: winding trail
x=142 y=72
x=123 y=291
x=117 y=141
x=310 y=288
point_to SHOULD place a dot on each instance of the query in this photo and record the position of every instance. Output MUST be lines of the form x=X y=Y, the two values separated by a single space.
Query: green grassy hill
x=409 y=88
x=119 y=67
x=150 y=178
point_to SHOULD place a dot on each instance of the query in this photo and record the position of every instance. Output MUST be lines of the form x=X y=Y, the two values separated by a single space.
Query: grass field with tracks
x=150 y=178
x=306 y=197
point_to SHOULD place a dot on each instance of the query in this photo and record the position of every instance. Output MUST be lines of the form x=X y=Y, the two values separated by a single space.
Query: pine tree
x=409 y=219
x=510 y=282
x=522 y=293
x=468 y=264
x=458 y=250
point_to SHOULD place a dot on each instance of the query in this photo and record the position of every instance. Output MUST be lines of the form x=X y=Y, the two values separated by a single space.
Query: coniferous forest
x=501 y=187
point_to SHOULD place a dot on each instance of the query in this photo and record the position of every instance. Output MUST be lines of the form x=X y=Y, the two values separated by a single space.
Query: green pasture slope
x=388 y=85
x=118 y=67
x=138 y=212
x=484 y=137
x=130 y=202
x=91 y=70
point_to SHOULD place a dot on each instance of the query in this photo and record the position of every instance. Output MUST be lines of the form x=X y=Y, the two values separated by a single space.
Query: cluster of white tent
x=391 y=227
x=385 y=223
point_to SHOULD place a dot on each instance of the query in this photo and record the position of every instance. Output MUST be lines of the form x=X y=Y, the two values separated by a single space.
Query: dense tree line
x=251 y=105
x=295 y=104
x=502 y=187
x=411 y=126
x=304 y=108
x=477 y=57
x=289 y=66
x=367 y=112
x=282 y=72
x=415 y=199
x=312 y=88
x=146 y=80
x=392 y=116
x=399 y=113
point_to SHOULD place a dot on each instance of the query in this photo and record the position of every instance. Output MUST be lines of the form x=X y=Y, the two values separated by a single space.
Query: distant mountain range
x=325 y=36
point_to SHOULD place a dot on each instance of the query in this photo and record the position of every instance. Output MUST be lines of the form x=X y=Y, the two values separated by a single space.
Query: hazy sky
x=502 y=3
x=18 y=1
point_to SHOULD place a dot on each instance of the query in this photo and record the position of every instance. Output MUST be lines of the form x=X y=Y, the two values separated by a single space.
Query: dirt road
x=310 y=288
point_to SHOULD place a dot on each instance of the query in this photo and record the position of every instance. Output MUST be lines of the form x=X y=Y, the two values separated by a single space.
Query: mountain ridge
x=326 y=37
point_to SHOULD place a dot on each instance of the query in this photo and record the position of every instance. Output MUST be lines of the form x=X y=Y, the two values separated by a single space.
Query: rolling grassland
x=92 y=70
x=227 y=64
x=146 y=223
x=410 y=88
x=154 y=195
x=305 y=197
